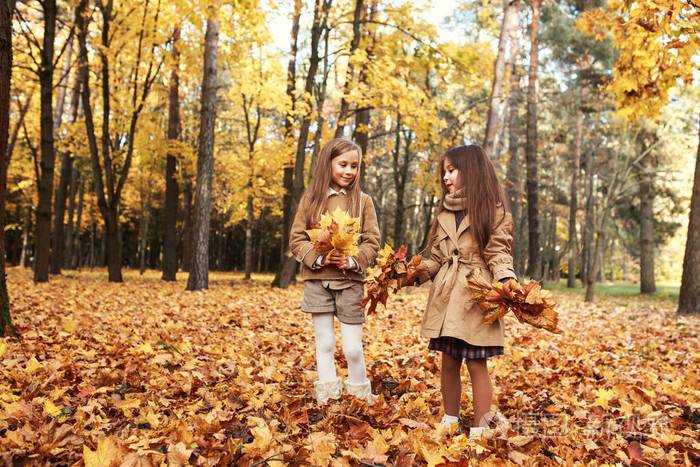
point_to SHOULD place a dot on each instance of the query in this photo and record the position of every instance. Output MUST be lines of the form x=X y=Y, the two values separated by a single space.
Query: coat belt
x=448 y=281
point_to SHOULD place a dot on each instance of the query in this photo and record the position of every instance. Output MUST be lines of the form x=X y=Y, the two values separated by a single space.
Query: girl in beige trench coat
x=472 y=229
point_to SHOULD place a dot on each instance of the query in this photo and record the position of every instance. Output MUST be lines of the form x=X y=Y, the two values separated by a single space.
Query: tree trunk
x=321 y=10
x=689 y=298
x=58 y=252
x=199 y=270
x=143 y=237
x=513 y=173
x=23 y=257
x=48 y=157
x=76 y=247
x=113 y=247
x=61 y=87
x=588 y=230
x=320 y=99
x=534 y=269
x=6 y=10
x=187 y=234
x=362 y=116
x=400 y=173
x=249 y=237
x=646 y=228
x=573 y=205
x=57 y=239
x=70 y=223
x=510 y=15
x=171 y=187
x=287 y=266
x=350 y=72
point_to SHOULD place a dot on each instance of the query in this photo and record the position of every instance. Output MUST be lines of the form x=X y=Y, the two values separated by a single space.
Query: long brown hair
x=321 y=180
x=482 y=191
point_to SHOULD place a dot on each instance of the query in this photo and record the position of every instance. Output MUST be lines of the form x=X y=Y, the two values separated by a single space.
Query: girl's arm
x=369 y=244
x=300 y=247
x=498 y=251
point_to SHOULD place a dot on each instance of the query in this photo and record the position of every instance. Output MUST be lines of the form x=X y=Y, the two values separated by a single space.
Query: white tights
x=351 y=335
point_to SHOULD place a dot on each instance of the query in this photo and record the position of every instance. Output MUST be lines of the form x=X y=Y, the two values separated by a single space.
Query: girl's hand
x=342 y=263
x=422 y=275
x=333 y=257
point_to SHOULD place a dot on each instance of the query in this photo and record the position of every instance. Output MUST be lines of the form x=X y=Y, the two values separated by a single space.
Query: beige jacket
x=303 y=250
x=450 y=310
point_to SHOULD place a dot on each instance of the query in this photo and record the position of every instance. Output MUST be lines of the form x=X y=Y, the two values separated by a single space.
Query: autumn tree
x=534 y=267
x=6 y=10
x=321 y=11
x=657 y=45
x=509 y=24
x=199 y=269
x=109 y=177
x=170 y=207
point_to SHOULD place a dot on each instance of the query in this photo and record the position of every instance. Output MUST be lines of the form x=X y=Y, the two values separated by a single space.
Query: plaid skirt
x=460 y=350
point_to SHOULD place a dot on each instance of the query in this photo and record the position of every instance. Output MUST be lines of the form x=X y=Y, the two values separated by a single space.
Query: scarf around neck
x=455 y=201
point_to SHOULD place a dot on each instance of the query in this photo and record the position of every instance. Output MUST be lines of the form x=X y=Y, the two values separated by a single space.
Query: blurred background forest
x=179 y=135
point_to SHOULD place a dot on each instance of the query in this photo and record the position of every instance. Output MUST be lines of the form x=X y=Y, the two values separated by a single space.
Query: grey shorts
x=342 y=298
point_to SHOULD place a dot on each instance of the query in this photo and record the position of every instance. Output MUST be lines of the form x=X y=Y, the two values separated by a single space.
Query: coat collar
x=447 y=220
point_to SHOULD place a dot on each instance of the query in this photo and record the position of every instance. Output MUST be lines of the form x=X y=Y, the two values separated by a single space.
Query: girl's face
x=451 y=176
x=344 y=169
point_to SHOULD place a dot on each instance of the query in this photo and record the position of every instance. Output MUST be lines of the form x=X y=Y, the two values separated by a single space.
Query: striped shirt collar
x=332 y=191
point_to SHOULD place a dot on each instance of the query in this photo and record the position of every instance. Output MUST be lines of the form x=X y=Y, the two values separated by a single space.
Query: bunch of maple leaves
x=392 y=271
x=336 y=231
x=528 y=302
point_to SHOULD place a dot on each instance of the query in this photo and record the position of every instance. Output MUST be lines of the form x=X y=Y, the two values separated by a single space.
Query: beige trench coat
x=450 y=310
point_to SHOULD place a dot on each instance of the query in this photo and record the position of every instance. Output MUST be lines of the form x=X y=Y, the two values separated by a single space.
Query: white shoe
x=326 y=390
x=476 y=432
x=449 y=421
x=361 y=391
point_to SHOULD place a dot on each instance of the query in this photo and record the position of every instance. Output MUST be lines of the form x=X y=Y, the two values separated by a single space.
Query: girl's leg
x=481 y=388
x=325 y=346
x=354 y=353
x=451 y=386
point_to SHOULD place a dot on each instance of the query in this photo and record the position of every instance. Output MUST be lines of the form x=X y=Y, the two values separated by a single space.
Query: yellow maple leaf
x=69 y=325
x=342 y=218
x=32 y=366
x=51 y=409
x=314 y=234
x=603 y=396
x=321 y=445
x=384 y=254
x=431 y=456
x=106 y=454
x=262 y=437
x=346 y=243
x=145 y=348
x=3 y=348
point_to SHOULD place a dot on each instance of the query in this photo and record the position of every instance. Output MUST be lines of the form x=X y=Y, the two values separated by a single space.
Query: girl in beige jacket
x=472 y=230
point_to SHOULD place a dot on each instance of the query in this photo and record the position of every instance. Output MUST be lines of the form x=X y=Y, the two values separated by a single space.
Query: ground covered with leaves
x=145 y=373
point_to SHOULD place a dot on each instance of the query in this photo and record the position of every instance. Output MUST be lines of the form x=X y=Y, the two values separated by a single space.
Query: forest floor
x=145 y=373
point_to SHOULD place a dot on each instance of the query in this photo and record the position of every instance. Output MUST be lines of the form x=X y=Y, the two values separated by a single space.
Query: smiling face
x=451 y=176
x=344 y=169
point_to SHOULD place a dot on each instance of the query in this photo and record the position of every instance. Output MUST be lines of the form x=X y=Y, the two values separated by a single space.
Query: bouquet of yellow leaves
x=528 y=302
x=392 y=270
x=337 y=231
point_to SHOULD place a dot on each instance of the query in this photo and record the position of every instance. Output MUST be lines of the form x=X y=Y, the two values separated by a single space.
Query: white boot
x=326 y=390
x=361 y=391
x=449 y=421
x=476 y=432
